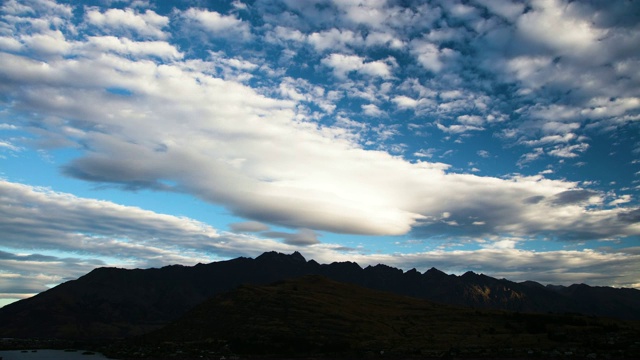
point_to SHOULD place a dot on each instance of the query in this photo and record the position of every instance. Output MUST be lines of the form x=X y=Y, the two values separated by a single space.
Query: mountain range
x=119 y=303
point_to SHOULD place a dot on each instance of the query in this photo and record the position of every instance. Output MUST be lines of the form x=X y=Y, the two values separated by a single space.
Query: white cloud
x=383 y=39
x=218 y=25
x=425 y=153
x=483 y=153
x=334 y=39
x=551 y=139
x=380 y=195
x=9 y=44
x=47 y=43
x=458 y=129
x=9 y=146
x=529 y=157
x=147 y=25
x=557 y=24
x=371 y=13
x=13 y=7
x=239 y=5
x=372 y=110
x=430 y=56
x=471 y=120
x=124 y=46
x=623 y=199
x=32 y=7
x=285 y=33
x=344 y=64
x=405 y=102
x=570 y=151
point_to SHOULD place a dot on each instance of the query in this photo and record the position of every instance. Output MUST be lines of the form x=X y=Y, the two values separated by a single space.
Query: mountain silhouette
x=117 y=303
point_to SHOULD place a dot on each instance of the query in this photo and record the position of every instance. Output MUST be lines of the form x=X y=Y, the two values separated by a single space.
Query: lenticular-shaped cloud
x=227 y=143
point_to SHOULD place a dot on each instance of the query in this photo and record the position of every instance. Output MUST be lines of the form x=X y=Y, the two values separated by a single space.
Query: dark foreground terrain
x=313 y=316
x=279 y=305
x=120 y=303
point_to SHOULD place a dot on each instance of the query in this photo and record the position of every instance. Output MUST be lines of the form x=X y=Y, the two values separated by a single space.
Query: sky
x=494 y=136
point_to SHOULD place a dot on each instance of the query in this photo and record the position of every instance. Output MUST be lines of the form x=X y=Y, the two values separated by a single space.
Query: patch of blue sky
x=119 y=91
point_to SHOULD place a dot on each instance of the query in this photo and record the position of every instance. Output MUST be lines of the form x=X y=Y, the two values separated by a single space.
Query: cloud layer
x=58 y=236
x=151 y=118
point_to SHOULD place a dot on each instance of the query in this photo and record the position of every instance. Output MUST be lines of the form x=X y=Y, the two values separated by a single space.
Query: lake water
x=49 y=355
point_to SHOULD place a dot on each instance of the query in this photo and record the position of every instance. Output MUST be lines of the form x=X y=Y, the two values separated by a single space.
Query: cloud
x=147 y=25
x=302 y=237
x=623 y=199
x=334 y=39
x=471 y=120
x=142 y=114
x=372 y=110
x=83 y=234
x=344 y=64
x=40 y=218
x=9 y=44
x=505 y=8
x=216 y=24
x=25 y=275
x=47 y=43
x=560 y=26
x=50 y=237
x=405 y=102
x=138 y=49
x=9 y=146
x=213 y=138
x=529 y=157
x=458 y=129
x=248 y=226
x=431 y=56
x=569 y=151
x=483 y=153
x=575 y=197
x=563 y=267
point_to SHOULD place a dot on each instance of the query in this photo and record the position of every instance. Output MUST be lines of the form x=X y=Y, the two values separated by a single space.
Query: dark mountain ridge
x=115 y=303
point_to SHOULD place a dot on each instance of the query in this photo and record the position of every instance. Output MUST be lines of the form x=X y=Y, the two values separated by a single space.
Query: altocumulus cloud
x=214 y=138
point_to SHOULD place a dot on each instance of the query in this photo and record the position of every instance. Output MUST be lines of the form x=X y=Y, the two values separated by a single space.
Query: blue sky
x=496 y=136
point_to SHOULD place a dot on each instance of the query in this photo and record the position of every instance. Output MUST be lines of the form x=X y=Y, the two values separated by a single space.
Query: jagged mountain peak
x=277 y=256
x=434 y=272
x=381 y=268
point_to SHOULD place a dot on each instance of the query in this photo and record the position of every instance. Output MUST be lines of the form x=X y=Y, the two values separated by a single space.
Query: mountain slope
x=312 y=315
x=112 y=303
